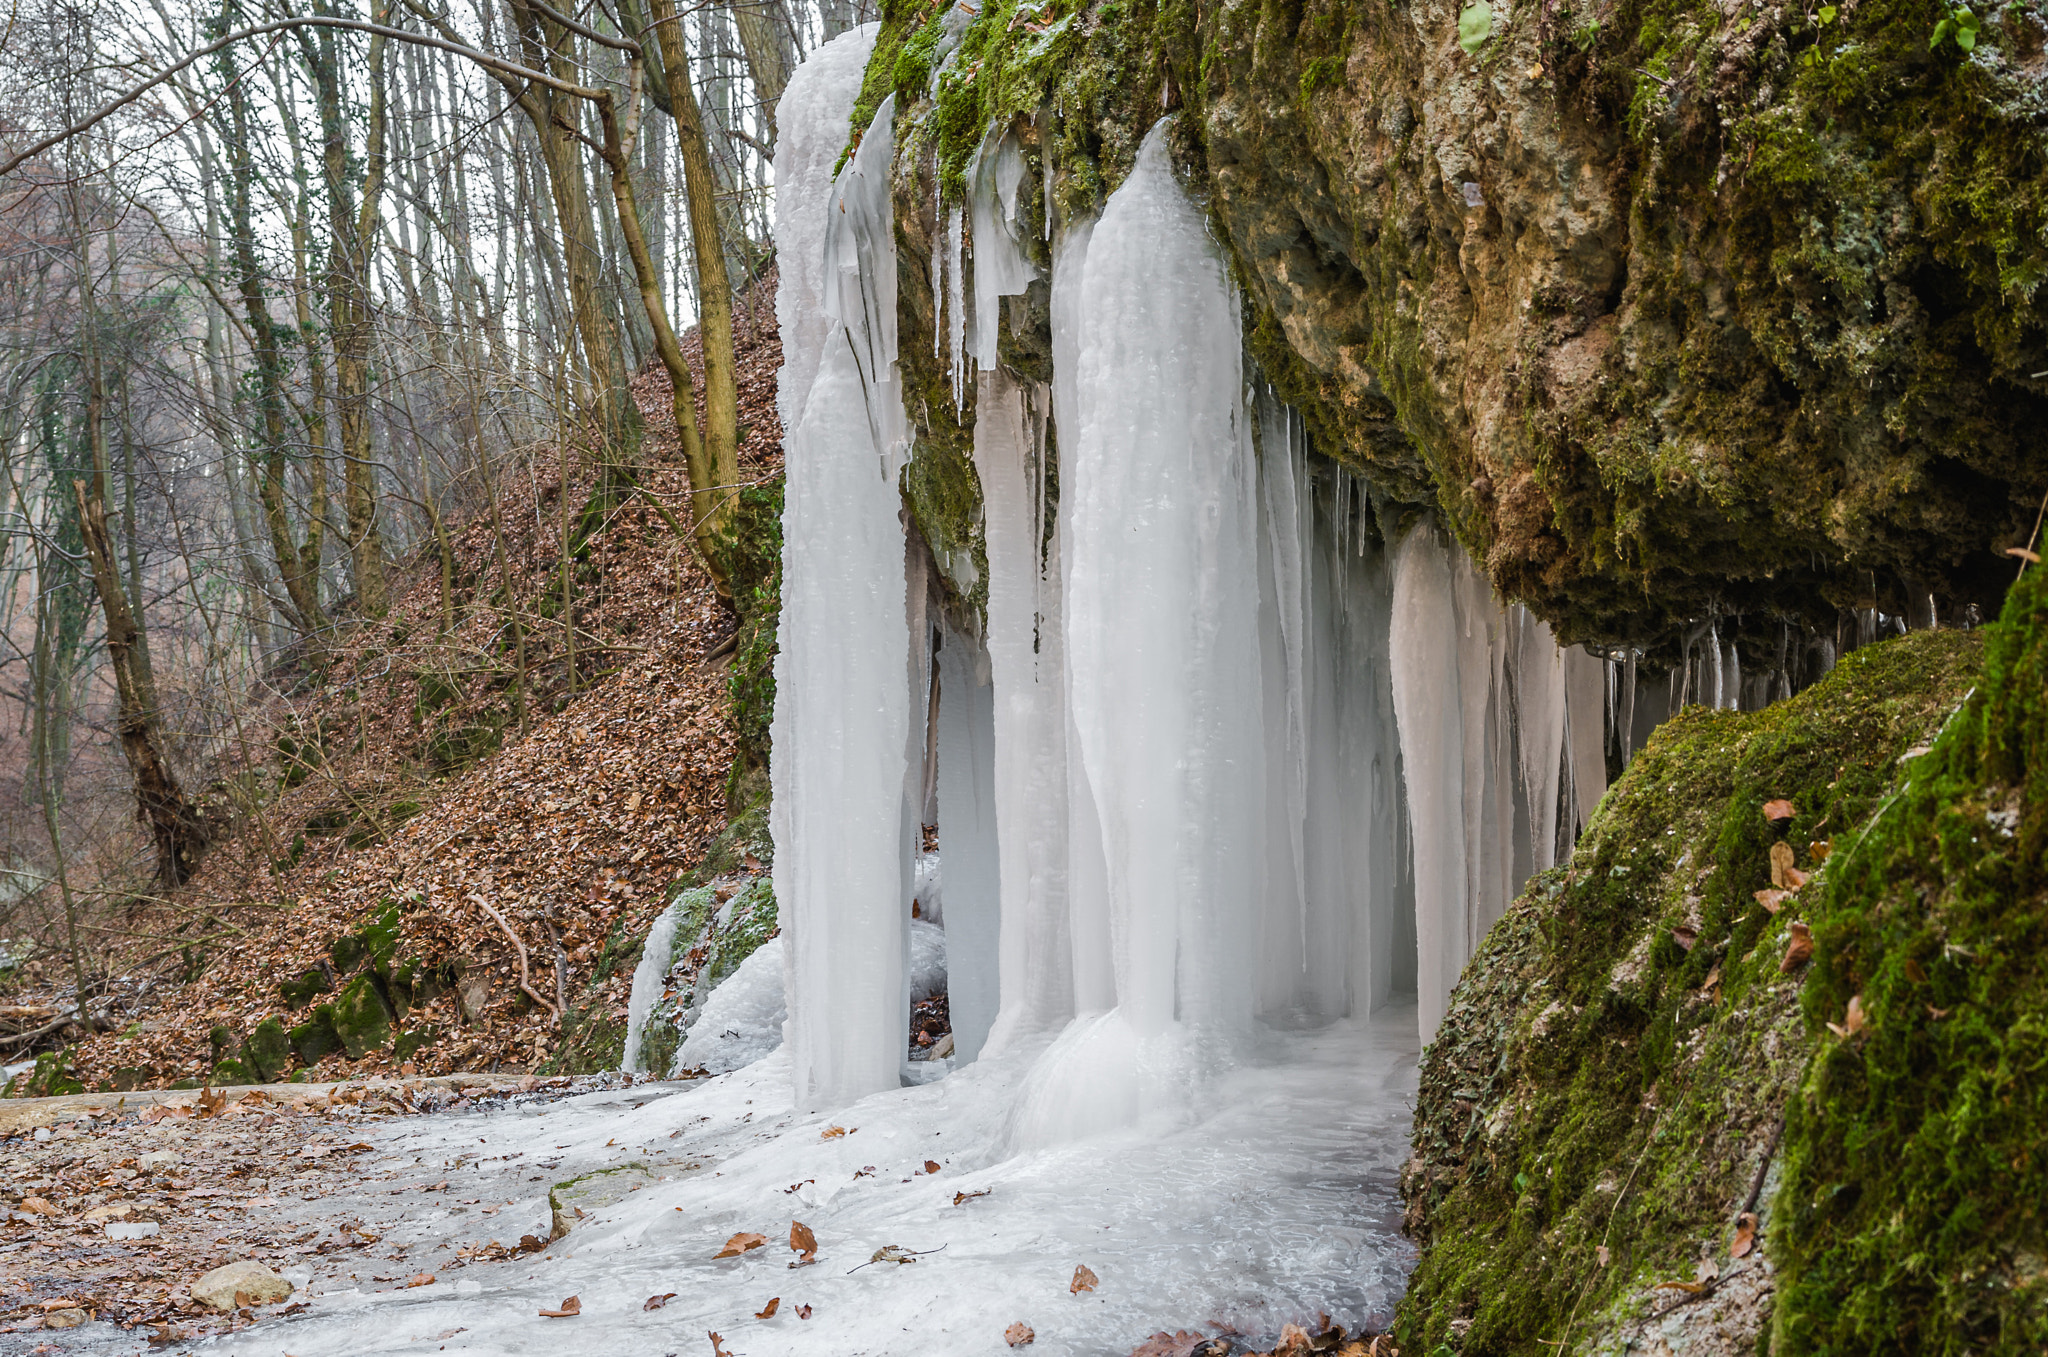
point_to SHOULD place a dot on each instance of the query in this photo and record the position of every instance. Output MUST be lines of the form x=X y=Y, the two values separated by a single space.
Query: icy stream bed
x=1277 y=1200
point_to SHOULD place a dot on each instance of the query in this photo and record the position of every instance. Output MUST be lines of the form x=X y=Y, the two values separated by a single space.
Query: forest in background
x=298 y=308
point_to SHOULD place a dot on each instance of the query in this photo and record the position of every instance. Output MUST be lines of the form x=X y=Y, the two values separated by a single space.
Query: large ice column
x=1162 y=604
x=813 y=118
x=965 y=737
x=1027 y=663
x=1425 y=644
x=1488 y=775
x=842 y=718
x=1092 y=967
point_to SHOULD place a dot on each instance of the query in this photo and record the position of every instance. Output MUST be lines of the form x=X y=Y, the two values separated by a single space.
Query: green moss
x=754 y=565
x=1916 y=1186
x=360 y=1018
x=53 y=1076
x=268 y=1051
x=316 y=1038
x=1622 y=1045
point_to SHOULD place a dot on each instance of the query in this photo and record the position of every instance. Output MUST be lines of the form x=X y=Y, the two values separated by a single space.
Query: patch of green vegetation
x=1622 y=1046
x=53 y=1076
x=1916 y=1185
x=753 y=563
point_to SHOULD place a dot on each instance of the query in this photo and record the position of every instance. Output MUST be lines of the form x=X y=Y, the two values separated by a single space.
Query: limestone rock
x=571 y=1199
x=255 y=1283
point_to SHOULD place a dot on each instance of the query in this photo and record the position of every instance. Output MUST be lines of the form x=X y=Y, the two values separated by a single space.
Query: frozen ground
x=1277 y=1202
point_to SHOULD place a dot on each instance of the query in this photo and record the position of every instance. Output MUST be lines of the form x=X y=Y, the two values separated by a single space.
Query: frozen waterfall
x=1217 y=758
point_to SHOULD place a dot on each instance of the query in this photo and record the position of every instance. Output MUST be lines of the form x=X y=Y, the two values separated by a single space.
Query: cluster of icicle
x=1218 y=759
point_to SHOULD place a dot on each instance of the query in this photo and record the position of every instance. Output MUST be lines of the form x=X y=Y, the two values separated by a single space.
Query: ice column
x=967 y=836
x=1027 y=664
x=1162 y=602
x=842 y=718
x=1000 y=266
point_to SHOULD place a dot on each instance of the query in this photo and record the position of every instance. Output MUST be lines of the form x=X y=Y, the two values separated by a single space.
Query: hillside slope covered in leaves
x=476 y=805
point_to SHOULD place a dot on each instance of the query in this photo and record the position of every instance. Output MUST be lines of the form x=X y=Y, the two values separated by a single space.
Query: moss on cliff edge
x=1599 y=1105
x=1915 y=1204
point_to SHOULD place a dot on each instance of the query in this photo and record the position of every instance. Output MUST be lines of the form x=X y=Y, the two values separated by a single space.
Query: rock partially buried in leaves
x=69 y=1318
x=248 y=1279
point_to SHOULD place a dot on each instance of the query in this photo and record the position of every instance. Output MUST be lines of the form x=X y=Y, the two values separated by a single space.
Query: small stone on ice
x=217 y=1289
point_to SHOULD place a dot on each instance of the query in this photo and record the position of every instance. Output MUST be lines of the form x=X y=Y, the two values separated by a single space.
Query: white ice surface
x=742 y=1020
x=1279 y=1202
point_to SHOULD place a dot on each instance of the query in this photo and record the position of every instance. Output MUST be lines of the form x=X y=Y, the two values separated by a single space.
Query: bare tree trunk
x=763 y=40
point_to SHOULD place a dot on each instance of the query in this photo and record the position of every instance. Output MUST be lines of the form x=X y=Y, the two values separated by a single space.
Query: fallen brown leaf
x=1794 y=878
x=1779 y=811
x=931 y=1166
x=38 y=1206
x=1019 y=1335
x=768 y=1311
x=1162 y=1344
x=803 y=1312
x=570 y=1308
x=1781 y=864
x=959 y=1197
x=1853 y=1021
x=832 y=1133
x=656 y=1302
x=419 y=1279
x=1685 y=937
x=802 y=1242
x=1799 y=950
x=1600 y=1252
x=717 y=1345
x=741 y=1243
x=1294 y=1342
x=1745 y=1235
x=1772 y=898
x=1690 y=1288
x=1084 y=1280
x=1914 y=972
x=1819 y=849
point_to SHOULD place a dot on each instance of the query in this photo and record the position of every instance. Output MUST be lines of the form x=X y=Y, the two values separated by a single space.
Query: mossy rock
x=360 y=1018
x=316 y=1038
x=570 y=1199
x=414 y=1040
x=268 y=1050
x=222 y=1039
x=52 y=1077
x=296 y=994
x=1624 y=1044
x=1915 y=1199
x=230 y=1072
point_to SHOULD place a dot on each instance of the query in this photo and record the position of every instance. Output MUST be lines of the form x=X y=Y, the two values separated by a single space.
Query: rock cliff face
x=1671 y=310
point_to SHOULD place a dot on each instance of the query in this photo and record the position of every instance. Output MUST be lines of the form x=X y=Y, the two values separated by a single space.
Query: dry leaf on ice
x=803 y=1312
x=1798 y=950
x=832 y=1133
x=931 y=1166
x=420 y=1279
x=570 y=1308
x=803 y=1242
x=1853 y=1021
x=1163 y=1344
x=741 y=1243
x=1745 y=1235
x=959 y=1197
x=656 y=1302
x=768 y=1311
x=1018 y=1334
x=1294 y=1342
x=1084 y=1280
x=717 y=1345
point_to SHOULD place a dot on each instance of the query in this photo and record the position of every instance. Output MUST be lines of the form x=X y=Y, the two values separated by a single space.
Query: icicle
x=1587 y=680
x=1000 y=267
x=1425 y=648
x=966 y=737
x=1541 y=701
x=1162 y=656
x=1026 y=664
x=956 y=307
x=859 y=283
x=657 y=954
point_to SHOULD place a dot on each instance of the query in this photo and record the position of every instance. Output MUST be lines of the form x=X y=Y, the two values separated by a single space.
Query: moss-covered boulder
x=268 y=1050
x=1601 y=1110
x=316 y=1038
x=1686 y=1097
x=360 y=1017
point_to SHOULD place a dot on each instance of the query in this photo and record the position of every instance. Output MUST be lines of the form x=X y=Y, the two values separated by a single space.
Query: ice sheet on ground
x=1278 y=1202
